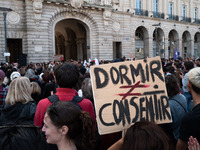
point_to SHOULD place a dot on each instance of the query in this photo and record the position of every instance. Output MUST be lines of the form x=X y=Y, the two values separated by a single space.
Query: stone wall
x=39 y=38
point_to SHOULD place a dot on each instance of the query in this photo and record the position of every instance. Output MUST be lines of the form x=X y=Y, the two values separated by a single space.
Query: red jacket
x=64 y=94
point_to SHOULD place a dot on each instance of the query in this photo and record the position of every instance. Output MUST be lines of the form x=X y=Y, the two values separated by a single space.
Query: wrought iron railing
x=141 y=12
x=186 y=19
x=197 y=21
x=173 y=17
x=158 y=15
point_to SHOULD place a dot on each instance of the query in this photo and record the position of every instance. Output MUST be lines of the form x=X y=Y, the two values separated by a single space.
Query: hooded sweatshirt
x=18 y=114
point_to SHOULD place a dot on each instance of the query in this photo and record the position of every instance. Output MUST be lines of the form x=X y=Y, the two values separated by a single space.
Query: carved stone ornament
x=116 y=26
x=13 y=17
x=106 y=2
x=37 y=8
x=107 y=15
x=76 y=3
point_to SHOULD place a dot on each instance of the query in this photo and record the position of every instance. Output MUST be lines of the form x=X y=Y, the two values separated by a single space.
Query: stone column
x=133 y=5
x=180 y=49
x=67 y=53
x=191 y=10
x=144 y=4
x=190 y=50
x=161 y=8
x=165 y=8
x=80 y=48
x=148 y=47
x=133 y=45
x=178 y=8
x=166 y=45
x=150 y=7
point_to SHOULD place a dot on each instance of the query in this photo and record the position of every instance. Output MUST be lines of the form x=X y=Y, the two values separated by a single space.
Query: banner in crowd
x=128 y=92
x=58 y=57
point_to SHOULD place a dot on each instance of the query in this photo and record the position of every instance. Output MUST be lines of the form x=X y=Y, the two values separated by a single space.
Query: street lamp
x=5 y=10
x=156 y=25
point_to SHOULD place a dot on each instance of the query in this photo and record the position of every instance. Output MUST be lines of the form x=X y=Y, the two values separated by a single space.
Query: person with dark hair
x=22 y=72
x=178 y=71
x=170 y=70
x=191 y=121
x=143 y=136
x=180 y=60
x=87 y=89
x=68 y=127
x=187 y=66
x=197 y=62
x=177 y=103
x=35 y=92
x=66 y=76
x=8 y=72
x=48 y=84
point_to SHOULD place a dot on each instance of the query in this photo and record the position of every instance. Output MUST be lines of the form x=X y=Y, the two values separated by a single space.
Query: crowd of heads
x=34 y=82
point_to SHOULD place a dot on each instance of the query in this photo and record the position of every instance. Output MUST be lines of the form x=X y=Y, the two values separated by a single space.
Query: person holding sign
x=68 y=127
x=191 y=121
x=128 y=92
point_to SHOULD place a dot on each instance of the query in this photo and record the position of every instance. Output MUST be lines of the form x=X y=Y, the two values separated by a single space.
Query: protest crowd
x=50 y=106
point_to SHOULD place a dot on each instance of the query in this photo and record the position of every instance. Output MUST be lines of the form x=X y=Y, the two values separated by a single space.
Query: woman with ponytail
x=68 y=127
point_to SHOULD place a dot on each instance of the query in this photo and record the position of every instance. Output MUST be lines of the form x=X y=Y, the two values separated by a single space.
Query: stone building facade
x=103 y=29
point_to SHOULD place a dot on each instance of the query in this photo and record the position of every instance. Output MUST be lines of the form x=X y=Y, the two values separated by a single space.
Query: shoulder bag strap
x=180 y=104
x=53 y=98
x=76 y=100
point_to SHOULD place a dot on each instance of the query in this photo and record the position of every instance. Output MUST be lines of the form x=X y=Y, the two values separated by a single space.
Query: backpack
x=76 y=99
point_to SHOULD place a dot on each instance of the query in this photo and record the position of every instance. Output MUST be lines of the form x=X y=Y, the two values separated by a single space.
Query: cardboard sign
x=128 y=92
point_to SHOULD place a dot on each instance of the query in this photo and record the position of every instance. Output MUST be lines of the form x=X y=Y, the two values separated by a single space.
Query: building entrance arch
x=186 y=44
x=197 y=44
x=173 y=44
x=141 y=42
x=71 y=37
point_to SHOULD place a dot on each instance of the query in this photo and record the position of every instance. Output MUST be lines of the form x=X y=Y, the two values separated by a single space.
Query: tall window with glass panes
x=155 y=8
x=183 y=12
x=138 y=7
x=170 y=10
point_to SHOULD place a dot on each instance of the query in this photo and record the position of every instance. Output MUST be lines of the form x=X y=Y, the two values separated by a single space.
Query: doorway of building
x=72 y=39
x=117 y=50
x=15 y=49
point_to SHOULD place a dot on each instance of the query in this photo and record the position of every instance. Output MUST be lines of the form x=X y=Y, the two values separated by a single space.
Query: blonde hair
x=35 y=88
x=194 y=76
x=19 y=91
